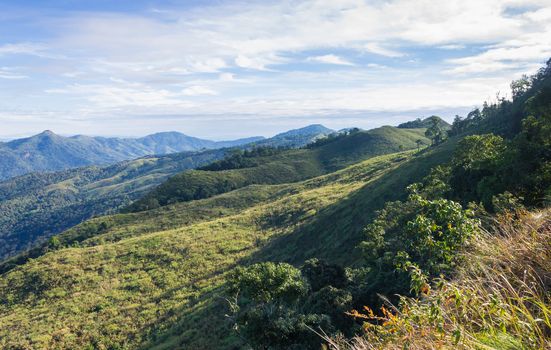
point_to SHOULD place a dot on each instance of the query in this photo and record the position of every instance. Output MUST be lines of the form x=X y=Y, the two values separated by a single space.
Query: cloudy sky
x=225 y=69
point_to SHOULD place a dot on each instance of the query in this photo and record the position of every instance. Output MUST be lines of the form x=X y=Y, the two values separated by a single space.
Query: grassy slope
x=289 y=166
x=36 y=206
x=143 y=280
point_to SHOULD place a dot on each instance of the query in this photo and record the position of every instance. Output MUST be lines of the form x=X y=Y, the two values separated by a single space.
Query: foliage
x=425 y=123
x=239 y=159
x=267 y=282
x=499 y=299
x=412 y=241
x=475 y=161
x=435 y=132
x=275 y=307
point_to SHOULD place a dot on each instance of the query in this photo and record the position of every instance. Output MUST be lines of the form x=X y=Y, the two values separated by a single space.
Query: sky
x=227 y=69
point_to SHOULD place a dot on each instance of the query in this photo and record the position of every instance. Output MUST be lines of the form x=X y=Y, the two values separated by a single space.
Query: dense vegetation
x=412 y=243
x=279 y=261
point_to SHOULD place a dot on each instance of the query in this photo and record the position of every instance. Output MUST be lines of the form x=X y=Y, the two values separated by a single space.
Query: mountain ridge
x=48 y=151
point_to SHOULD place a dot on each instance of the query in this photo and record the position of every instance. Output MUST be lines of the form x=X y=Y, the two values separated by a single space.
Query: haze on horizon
x=229 y=69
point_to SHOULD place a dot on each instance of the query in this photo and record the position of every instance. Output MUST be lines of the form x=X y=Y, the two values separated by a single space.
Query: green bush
x=412 y=241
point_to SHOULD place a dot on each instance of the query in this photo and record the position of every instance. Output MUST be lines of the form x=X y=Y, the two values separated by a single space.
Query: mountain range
x=363 y=239
x=35 y=206
x=48 y=151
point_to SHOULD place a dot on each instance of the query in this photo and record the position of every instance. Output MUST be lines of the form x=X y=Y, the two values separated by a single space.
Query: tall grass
x=499 y=299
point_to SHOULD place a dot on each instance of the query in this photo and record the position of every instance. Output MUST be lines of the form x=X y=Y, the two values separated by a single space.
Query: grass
x=137 y=283
x=499 y=299
x=283 y=167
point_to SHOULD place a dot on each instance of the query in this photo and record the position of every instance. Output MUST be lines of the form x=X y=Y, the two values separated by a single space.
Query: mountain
x=297 y=137
x=36 y=206
x=350 y=237
x=426 y=123
x=283 y=167
x=50 y=152
x=165 y=266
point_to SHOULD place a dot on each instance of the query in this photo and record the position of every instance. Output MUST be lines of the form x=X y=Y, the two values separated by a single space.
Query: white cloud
x=379 y=50
x=520 y=53
x=234 y=55
x=198 y=90
x=257 y=36
x=22 y=48
x=330 y=59
x=452 y=47
x=11 y=73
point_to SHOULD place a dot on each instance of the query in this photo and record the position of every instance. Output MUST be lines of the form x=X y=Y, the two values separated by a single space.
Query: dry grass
x=499 y=299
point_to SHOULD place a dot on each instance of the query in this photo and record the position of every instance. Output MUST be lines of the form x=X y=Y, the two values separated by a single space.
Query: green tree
x=434 y=132
x=419 y=142
x=474 y=166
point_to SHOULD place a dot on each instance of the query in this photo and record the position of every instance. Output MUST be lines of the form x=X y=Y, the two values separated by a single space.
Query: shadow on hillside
x=332 y=235
x=336 y=230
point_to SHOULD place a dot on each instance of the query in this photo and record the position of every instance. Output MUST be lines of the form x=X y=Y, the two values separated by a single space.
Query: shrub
x=411 y=241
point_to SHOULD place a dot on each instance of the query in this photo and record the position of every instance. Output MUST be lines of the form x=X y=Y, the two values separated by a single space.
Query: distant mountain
x=50 y=152
x=36 y=206
x=297 y=137
x=425 y=123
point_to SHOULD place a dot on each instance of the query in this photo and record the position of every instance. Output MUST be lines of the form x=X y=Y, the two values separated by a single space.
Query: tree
x=419 y=142
x=458 y=126
x=520 y=86
x=266 y=310
x=474 y=165
x=276 y=305
x=435 y=132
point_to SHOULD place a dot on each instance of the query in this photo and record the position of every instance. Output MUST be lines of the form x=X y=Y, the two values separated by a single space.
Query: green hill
x=165 y=278
x=144 y=273
x=284 y=167
x=188 y=248
x=36 y=206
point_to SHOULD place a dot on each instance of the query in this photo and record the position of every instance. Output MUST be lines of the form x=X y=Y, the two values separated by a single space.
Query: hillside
x=49 y=152
x=35 y=206
x=426 y=123
x=255 y=212
x=446 y=246
x=284 y=167
x=170 y=263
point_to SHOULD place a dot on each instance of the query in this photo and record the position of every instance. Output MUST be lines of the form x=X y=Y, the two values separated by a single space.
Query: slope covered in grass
x=284 y=167
x=153 y=278
x=36 y=206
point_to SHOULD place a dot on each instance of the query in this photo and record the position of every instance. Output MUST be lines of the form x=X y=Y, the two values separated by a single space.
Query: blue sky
x=225 y=69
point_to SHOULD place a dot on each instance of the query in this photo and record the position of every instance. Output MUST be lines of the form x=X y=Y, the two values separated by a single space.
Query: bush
x=412 y=241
